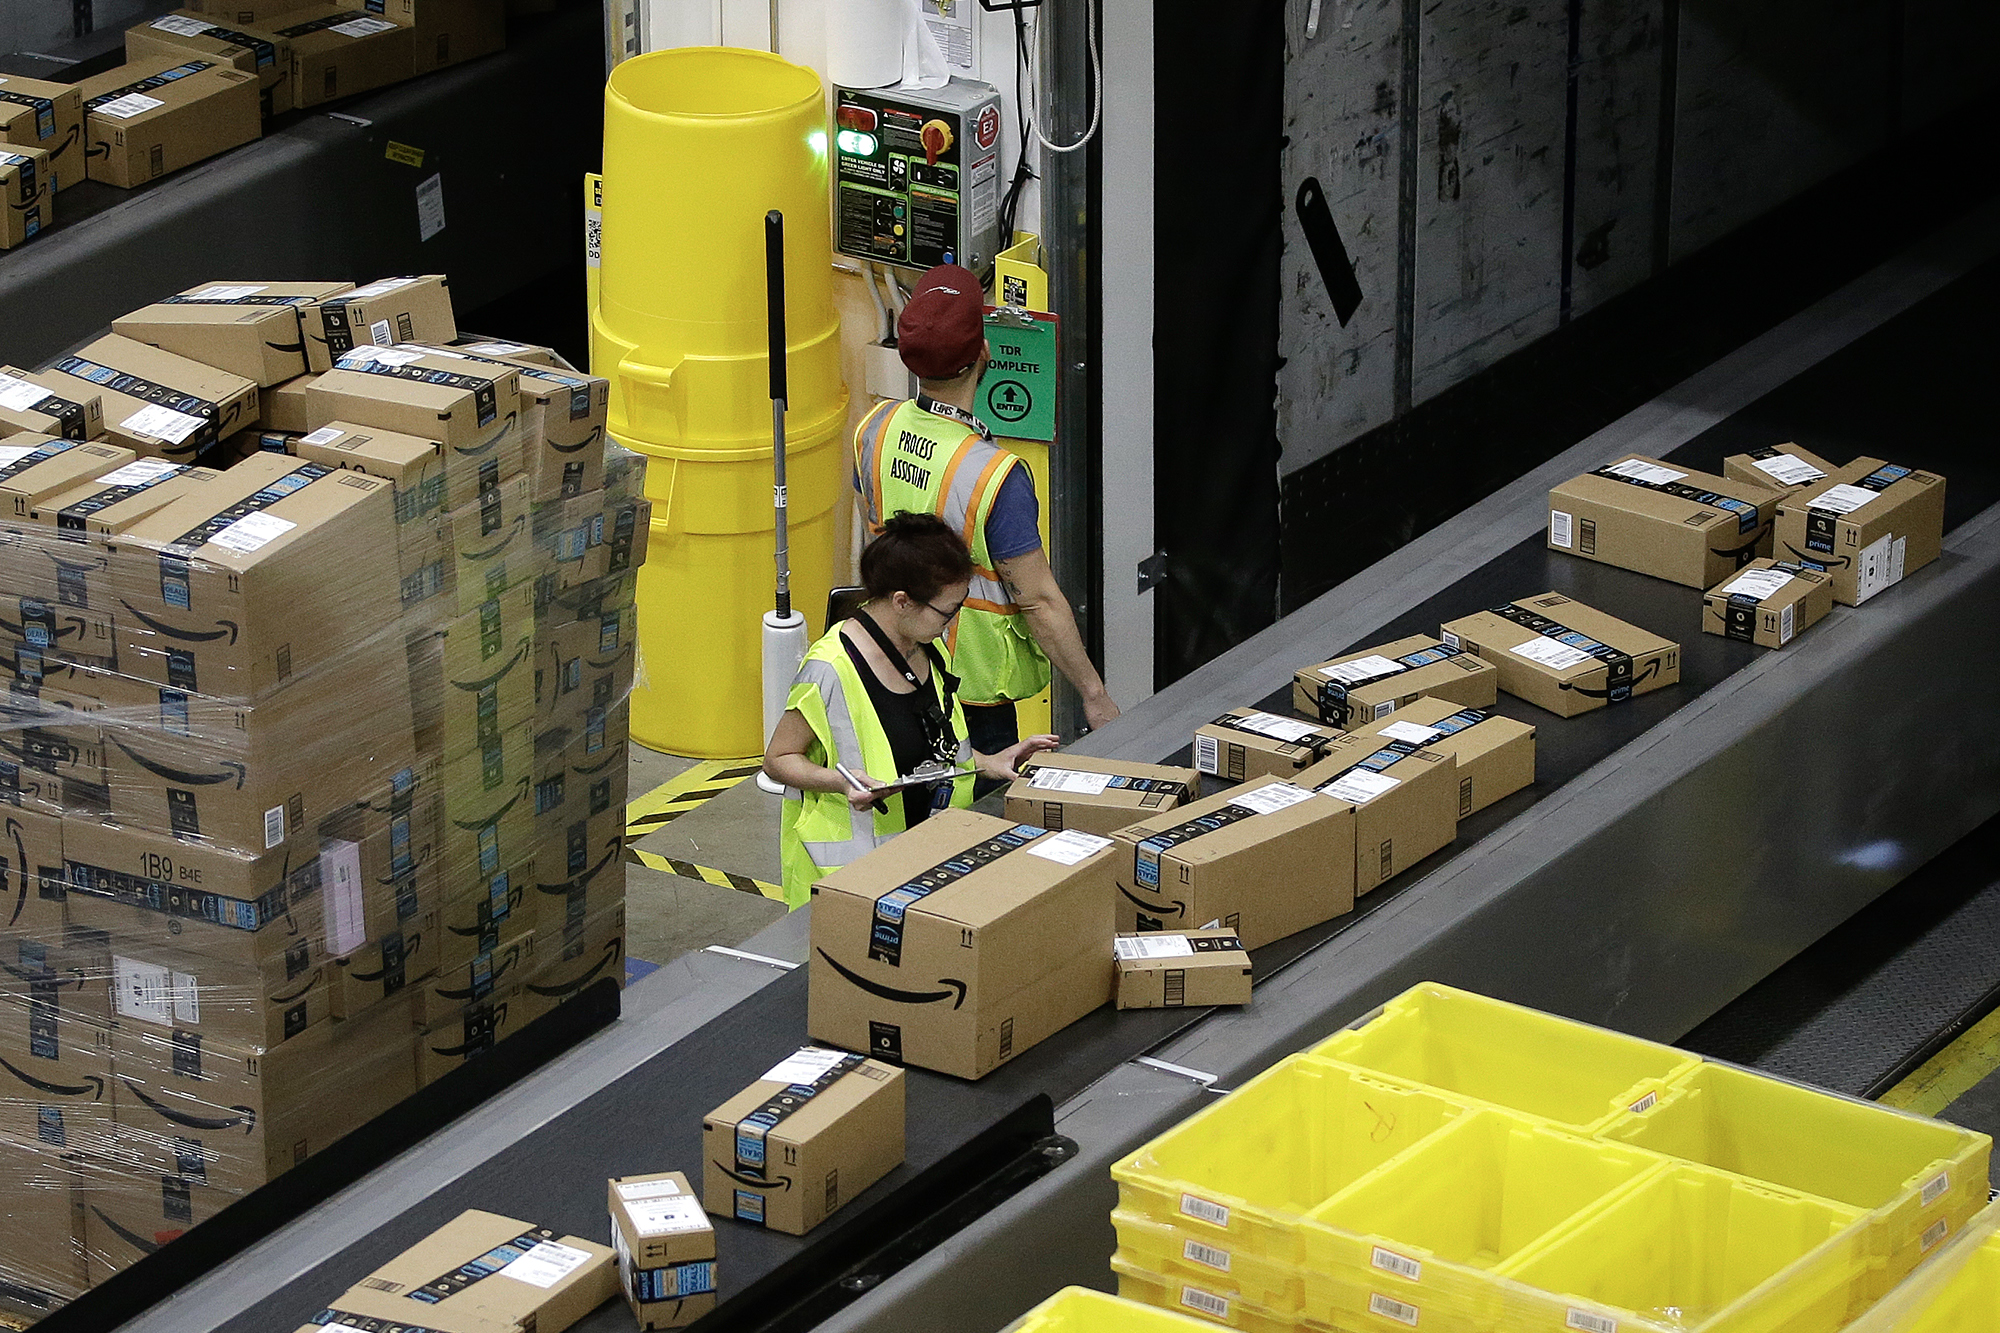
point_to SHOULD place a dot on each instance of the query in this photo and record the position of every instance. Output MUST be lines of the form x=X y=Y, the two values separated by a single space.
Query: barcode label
x=1206 y=1255
x=1583 y=1321
x=1934 y=1187
x=1786 y=623
x=1391 y=1308
x=1204 y=1211
x=274 y=827
x=1391 y=1262
x=1449 y=639
x=1562 y=529
x=1205 y=756
x=1644 y=1104
x=1933 y=1233
x=1194 y=1298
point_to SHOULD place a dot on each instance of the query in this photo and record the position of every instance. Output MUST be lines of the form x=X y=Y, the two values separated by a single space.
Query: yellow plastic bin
x=1425 y=1229
x=1691 y=1249
x=1509 y=1056
x=1956 y=1290
x=1180 y=1252
x=1920 y=1179
x=1210 y=1302
x=1081 y=1310
x=1244 y=1171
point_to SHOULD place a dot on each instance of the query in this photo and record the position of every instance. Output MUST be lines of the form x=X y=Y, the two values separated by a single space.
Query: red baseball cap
x=942 y=327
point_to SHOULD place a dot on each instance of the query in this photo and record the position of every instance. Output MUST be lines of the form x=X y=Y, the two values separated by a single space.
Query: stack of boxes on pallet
x=314 y=742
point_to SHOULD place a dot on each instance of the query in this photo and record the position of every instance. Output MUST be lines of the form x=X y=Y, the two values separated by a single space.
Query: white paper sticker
x=1204 y=1211
x=14 y=453
x=1132 y=948
x=388 y=356
x=1359 y=786
x=128 y=106
x=1363 y=668
x=666 y=1217
x=139 y=472
x=341 y=893
x=324 y=435
x=382 y=335
x=380 y=287
x=430 y=208
x=1194 y=1298
x=223 y=293
x=1786 y=622
x=1067 y=848
x=274 y=827
x=1789 y=469
x=1933 y=1233
x=1562 y=529
x=1383 y=709
x=1413 y=732
x=1879 y=566
x=1207 y=755
x=253 y=532
x=162 y=423
x=185 y=26
x=1449 y=639
x=363 y=27
x=1269 y=800
x=632 y=1191
x=1390 y=1308
x=1933 y=1189
x=154 y=994
x=1549 y=653
x=547 y=1264
x=1757 y=583
x=1208 y=1256
x=1650 y=473
x=1070 y=780
x=803 y=1065
x=1583 y=1321
x=1842 y=499
x=18 y=395
x=1401 y=1265
x=1277 y=728
x=497 y=349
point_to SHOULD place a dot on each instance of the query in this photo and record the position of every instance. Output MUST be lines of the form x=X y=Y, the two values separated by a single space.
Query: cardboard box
x=157 y=403
x=579 y=836
x=31 y=886
x=34 y=401
x=574 y=408
x=157 y=115
x=1265 y=860
x=579 y=958
x=543 y=1280
x=415 y=466
x=27 y=195
x=40 y=624
x=250 y=329
x=381 y=866
x=1405 y=797
x=395 y=963
x=1374 y=682
x=391 y=310
x=1246 y=743
x=1868 y=524
x=445 y=32
x=489 y=919
x=961 y=943
x=44 y=1267
x=1561 y=655
x=1495 y=755
x=1650 y=517
x=55 y=731
x=55 y=1078
x=461 y=1033
x=65 y=971
x=815 y=1131
x=1767 y=603
x=666 y=1249
x=525 y=354
x=488 y=801
x=247 y=13
x=49 y=116
x=276 y=568
x=492 y=544
x=1187 y=969
x=1072 y=791
x=185 y=34
x=283 y=406
x=35 y=467
x=339 y=51
x=585 y=668
x=591 y=536
x=127 y=1217
x=1779 y=467
x=473 y=677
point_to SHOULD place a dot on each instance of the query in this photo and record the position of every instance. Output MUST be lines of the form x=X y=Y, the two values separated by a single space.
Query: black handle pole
x=774 y=285
x=774 y=282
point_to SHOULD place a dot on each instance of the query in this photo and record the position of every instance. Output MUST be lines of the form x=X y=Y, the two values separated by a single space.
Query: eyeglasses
x=947 y=616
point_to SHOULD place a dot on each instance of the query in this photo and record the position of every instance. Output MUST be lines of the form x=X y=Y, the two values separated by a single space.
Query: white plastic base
x=784 y=648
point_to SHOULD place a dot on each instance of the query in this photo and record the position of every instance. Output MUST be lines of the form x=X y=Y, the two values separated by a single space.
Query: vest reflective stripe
x=868 y=437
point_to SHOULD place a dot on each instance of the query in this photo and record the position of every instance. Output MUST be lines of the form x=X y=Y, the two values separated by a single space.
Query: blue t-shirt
x=1012 y=529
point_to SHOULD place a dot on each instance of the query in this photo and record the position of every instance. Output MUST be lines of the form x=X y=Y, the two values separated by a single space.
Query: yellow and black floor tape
x=1952 y=1072
x=678 y=796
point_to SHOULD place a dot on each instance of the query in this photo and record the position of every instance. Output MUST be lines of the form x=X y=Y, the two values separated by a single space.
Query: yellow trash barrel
x=699 y=143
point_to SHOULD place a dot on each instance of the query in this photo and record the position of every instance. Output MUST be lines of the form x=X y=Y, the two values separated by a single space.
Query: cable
x=1010 y=205
x=1096 y=88
x=887 y=329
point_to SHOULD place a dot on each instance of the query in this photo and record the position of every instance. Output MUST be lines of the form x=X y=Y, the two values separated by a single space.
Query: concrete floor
x=667 y=915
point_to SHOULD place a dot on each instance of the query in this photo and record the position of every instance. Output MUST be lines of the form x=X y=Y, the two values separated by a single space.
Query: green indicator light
x=855 y=144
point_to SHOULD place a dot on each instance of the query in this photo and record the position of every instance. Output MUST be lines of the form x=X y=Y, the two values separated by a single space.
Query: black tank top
x=901 y=718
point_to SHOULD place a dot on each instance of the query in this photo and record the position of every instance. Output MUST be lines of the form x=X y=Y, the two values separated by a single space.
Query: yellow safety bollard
x=699 y=143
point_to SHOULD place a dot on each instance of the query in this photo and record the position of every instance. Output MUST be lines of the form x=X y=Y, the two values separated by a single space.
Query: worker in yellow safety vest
x=874 y=704
x=932 y=455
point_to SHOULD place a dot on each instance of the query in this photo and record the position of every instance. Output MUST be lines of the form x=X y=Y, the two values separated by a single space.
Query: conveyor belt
x=1674 y=850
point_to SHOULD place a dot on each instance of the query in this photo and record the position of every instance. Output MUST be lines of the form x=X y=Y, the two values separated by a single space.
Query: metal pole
x=1073 y=502
x=774 y=285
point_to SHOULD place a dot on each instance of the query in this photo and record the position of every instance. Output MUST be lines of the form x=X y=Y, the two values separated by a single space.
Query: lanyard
x=937 y=723
x=926 y=403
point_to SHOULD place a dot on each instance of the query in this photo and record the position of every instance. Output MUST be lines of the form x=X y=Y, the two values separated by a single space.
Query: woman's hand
x=863 y=797
x=1006 y=765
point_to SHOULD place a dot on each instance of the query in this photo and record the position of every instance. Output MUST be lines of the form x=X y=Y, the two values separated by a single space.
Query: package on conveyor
x=1072 y=791
x=34 y=402
x=250 y=329
x=1187 y=969
x=1494 y=755
x=416 y=308
x=1779 y=467
x=246 y=13
x=486 y=1269
x=155 y=402
x=817 y=1129
x=1264 y=860
x=27 y=194
x=283 y=406
x=1767 y=603
x=1247 y=743
x=1867 y=524
x=1405 y=795
x=154 y=116
x=962 y=942
x=39 y=114
x=338 y=51
x=43 y=1268
x=666 y=1248
x=446 y=32
x=1564 y=656
x=1650 y=517
x=186 y=34
x=1371 y=683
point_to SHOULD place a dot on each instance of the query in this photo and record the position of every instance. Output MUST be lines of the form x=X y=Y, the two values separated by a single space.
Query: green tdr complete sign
x=1018 y=396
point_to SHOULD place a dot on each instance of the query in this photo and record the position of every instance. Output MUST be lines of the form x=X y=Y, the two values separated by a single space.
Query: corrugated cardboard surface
x=1771 y=621
x=1679 y=534
x=1782 y=461
x=1057 y=801
x=1458 y=678
x=1247 y=743
x=824 y=1152
x=1578 y=688
x=1182 y=969
x=1495 y=757
x=1877 y=544
x=439 y=1262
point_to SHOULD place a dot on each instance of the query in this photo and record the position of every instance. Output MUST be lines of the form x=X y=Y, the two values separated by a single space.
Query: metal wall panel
x=1617 y=145
x=1949 y=56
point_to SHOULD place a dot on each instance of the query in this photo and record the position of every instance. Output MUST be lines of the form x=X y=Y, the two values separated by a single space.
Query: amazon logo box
x=1374 y=682
x=481 y=1270
x=487 y=802
x=576 y=957
x=55 y=1077
x=1783 y=468
x=125 y=1218
x=388 y=965
x=390 y=310
x=185 y=34
x=65 y=546
x=963 y=942
x=473 y=677
x=1405 y=793
x=282 y=407
x=454 y=362
x=584 y=668
x=446 y=994
x=381 y=864
x=486 y=918
x=45 y=1266
x=666 y=1249
x=579 y=834
x=274 y=569
x=1068 y=791
x=493 y=544
x=467 y=1031
x=1246 y=743
x=32 y=403
x=1867 y=524
x=54 y=733
x=416 y=468
x=48 y=116
x=591 y=537
x=573 y=408
x=31 y=896
x=470 y=465
x=34 y=467
x=157 y=404
x=1493 y=756
x=250 y=329
x=1264 y=860
x=42 y=626
x=157 y=114
x=1564 y=656
x=1638 y=513
x=236 y=1115
x=791 y=1149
